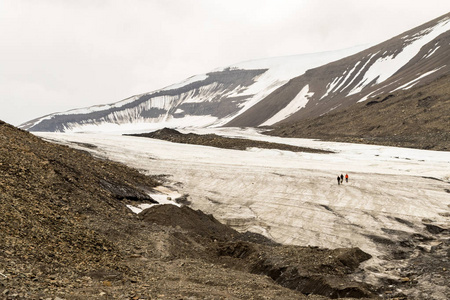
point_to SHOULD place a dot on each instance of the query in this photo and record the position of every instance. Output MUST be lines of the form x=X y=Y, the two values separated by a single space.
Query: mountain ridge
x=342 y=83
x=201 y=100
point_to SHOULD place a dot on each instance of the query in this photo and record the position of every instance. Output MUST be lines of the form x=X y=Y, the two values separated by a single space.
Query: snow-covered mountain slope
x=270 y=91
x=211 y=99
x=413 y=58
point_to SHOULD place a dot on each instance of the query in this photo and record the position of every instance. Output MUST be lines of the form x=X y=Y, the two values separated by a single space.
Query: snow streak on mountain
x=266 y=92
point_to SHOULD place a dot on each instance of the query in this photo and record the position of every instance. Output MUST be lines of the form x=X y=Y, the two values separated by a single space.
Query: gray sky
x=57 y=55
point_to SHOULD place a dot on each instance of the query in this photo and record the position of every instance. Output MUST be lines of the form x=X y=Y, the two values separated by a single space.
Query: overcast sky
x=57 y=55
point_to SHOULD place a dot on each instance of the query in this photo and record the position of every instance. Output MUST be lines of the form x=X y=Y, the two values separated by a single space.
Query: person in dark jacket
x=339 y=180
x=342 y=178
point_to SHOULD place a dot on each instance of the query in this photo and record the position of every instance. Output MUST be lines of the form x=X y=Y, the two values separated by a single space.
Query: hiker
x=342 y=178
x=339 y=180
x=346 y=177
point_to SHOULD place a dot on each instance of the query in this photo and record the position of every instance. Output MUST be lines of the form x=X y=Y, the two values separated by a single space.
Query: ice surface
x=293 y=197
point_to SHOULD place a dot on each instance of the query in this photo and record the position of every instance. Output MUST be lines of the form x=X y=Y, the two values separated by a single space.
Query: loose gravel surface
x=66 y=233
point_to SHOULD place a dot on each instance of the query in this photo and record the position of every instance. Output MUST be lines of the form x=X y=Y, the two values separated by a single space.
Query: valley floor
x=396 y=205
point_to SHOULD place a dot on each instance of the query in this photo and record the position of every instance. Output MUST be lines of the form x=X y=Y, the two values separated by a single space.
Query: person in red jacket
x=346 y=177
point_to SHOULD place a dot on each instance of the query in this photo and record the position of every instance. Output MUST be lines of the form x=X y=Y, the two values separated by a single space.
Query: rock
x=424 y=247
x=435 y=245
x=434 y=229
x=107 y=283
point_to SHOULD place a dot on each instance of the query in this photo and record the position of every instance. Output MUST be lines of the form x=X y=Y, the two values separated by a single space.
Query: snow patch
x=295 y=105
x=416 y=80
x=165 y=198
x=330 y=87
x=385 y=67
x=359 y=87
x=377 y=91
x=346 y=77
x=204 y=94
x=431 y=52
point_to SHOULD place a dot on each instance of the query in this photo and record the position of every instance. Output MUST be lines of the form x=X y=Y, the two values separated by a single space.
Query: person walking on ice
x=346 y=177
x=339 y=180
x=342 y=178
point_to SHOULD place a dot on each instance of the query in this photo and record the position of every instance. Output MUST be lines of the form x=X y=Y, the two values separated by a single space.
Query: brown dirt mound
x=194 y=221
x=218 y=141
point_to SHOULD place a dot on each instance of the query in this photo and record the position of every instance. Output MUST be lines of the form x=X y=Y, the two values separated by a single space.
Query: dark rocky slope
x=415 y=118
x=65 y=232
